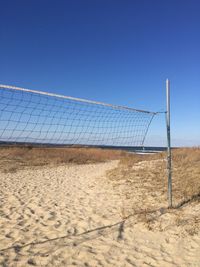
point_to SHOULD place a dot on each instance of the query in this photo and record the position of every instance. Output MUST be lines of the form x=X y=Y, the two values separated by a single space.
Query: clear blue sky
x=118 y=52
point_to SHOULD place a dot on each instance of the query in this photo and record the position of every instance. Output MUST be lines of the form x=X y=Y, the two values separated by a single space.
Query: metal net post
x=169 y=167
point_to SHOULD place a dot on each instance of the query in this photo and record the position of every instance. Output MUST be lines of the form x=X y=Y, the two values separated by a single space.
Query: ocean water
x=139 y=149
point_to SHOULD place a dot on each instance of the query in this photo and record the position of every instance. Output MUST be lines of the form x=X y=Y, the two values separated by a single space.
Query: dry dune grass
x=144 y=183
x=16 y=158
x=152 y=171
x=186 y=171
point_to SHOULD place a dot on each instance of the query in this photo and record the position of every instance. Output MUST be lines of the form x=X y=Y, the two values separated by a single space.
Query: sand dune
x=73 y=215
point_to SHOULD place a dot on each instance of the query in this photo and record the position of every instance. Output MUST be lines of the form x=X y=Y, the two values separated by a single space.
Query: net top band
x=74 y=98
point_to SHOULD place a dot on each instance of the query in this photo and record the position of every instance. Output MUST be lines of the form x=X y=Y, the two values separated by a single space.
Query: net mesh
x=36 y=117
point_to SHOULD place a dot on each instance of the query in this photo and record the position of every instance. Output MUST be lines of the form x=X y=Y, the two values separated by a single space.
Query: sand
x=74 y=215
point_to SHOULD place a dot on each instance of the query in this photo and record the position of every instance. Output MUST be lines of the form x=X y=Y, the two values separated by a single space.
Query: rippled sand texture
x=73 y=216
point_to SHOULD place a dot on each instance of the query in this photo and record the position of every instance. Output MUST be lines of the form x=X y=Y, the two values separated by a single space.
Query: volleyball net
x=36 y=117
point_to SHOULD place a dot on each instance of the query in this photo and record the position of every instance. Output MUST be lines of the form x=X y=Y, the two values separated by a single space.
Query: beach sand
x=74 y=215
